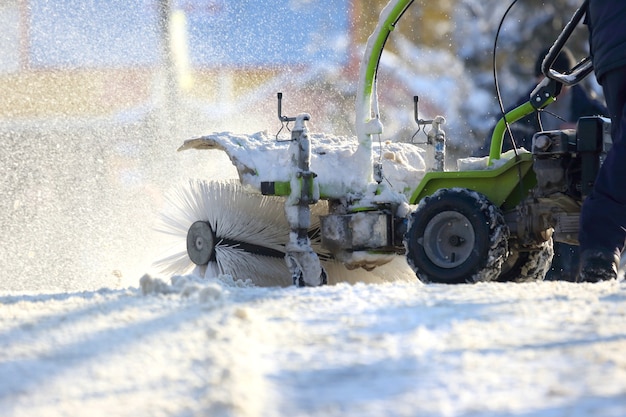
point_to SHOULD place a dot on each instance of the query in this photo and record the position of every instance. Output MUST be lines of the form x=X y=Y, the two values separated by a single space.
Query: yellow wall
x=91 y=93
x=427 y=21
x=28 y=94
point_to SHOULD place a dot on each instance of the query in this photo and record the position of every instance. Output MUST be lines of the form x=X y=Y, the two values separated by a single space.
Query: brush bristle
x=234 y=214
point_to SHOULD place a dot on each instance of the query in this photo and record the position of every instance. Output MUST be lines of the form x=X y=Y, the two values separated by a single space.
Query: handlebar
x=580 y=70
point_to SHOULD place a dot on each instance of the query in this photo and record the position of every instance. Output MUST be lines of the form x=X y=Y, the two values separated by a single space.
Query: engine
x=566 y=163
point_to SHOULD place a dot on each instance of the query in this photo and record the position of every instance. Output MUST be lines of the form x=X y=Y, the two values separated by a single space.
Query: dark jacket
x=608 y=39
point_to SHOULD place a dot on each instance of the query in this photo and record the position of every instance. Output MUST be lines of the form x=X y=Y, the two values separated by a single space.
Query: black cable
x=495 y=76
x=499 y=97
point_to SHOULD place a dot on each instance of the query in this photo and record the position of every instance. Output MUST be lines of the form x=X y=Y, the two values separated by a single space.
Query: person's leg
x=603 y=216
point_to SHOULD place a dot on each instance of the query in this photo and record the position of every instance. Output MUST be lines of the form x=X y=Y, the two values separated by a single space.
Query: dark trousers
x=603 y=217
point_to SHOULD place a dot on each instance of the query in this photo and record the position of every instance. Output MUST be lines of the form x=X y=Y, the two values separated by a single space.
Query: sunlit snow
x=226 y=348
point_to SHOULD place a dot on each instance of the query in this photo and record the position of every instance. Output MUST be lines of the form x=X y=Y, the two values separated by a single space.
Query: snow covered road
x=222 y=348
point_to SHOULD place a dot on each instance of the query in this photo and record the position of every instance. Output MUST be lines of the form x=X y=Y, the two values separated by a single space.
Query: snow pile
x=261 y=157
x=207 y=292
x=480 y=163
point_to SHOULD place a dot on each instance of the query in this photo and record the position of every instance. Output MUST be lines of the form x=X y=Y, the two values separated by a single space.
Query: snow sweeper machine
x=314 y=200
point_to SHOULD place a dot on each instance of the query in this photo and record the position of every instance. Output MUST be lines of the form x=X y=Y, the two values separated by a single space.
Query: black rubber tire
x=456 y=236
x=527 y=266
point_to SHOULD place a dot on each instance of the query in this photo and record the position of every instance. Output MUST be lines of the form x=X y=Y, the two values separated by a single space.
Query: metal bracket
x=284 y=120
x=421 y=123
x=302 y=261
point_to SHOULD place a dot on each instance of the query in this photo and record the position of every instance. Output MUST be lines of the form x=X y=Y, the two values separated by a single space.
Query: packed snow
x=194 y=347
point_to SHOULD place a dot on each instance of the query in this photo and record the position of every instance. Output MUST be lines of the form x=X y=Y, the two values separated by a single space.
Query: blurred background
x=96 y=96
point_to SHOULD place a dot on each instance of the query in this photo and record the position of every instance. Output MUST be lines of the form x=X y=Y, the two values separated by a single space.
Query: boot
x=597 y=265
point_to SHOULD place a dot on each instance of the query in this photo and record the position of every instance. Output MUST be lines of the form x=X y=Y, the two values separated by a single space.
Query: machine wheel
x=456 y=236
x=526 y=266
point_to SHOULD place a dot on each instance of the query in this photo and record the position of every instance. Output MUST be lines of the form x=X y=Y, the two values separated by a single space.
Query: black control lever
x=580 y=70
x=282 y=118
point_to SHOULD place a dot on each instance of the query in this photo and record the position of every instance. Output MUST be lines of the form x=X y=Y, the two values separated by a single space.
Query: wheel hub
x=200 y=243
x=456 y=240
x=448 y=239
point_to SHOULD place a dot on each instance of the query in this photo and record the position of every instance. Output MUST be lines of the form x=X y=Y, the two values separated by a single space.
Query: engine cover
x=356 y=231
x=552 y=159
x=567 y=161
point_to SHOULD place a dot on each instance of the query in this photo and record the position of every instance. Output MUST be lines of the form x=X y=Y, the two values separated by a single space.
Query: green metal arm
x=498 y=132
x=367 y=120
x=543 y=95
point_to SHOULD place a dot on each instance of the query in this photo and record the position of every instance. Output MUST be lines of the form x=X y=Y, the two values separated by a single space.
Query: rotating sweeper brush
x=208 y=217
x=491 y=219
x=219 y=228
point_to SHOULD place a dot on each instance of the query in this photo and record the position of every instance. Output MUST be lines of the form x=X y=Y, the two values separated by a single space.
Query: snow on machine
x=316 y=199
